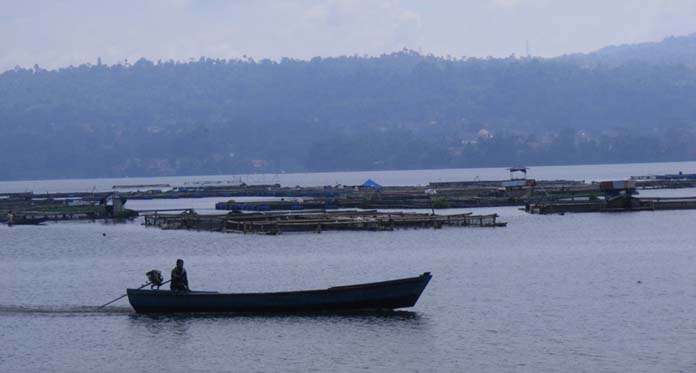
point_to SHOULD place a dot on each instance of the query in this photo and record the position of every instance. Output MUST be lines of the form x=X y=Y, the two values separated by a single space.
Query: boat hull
x=387 y=295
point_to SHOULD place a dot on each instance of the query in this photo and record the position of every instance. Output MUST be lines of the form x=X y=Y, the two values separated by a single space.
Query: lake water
x=579 y=292
x=412 y=177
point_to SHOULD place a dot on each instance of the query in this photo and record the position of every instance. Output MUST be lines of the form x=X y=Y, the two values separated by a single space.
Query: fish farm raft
x=273 y=208
x=273 y=223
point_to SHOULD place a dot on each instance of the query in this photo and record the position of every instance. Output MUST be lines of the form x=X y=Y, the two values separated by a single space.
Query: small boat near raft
x=25 y=220
x=386 y=295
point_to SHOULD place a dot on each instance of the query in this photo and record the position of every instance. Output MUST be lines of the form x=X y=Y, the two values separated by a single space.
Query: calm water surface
x=579 y=292
x=411 y=177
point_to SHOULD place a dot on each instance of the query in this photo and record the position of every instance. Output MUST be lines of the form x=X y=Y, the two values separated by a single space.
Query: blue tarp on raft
x=371 y=184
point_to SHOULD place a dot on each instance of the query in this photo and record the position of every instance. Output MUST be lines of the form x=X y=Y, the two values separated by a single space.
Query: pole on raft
x=106 y=304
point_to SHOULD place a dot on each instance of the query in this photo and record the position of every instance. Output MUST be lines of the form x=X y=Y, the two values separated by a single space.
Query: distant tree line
x=397 y=111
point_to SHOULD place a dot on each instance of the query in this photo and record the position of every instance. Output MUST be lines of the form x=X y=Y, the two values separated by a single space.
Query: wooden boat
x=26 y=220
x=387 y=295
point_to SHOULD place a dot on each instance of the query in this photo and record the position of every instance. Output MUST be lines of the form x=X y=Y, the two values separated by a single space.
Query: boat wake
x=64 y=310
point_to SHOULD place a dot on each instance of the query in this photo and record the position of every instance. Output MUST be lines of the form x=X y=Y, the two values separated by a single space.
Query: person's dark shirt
x=179 y=279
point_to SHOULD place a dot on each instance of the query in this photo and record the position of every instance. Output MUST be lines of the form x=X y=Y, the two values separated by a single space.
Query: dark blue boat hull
x=387 y=295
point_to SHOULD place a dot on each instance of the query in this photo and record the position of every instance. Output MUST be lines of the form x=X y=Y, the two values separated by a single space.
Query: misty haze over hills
x=670 y=51
x=404 y=110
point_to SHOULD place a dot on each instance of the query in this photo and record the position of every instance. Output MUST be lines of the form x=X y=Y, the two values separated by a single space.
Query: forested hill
x=397 y=111
x=670 y=51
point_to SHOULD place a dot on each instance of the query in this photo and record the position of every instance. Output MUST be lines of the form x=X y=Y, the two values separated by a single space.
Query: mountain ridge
x=397 y=111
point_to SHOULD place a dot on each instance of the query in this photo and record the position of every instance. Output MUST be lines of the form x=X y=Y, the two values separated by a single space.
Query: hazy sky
x=58 y=33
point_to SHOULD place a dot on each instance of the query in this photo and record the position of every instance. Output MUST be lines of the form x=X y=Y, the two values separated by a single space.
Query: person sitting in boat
x=179 y=278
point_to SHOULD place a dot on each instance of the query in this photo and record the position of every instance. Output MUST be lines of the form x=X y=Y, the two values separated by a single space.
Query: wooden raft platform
x=316 y=221
x=621 y=205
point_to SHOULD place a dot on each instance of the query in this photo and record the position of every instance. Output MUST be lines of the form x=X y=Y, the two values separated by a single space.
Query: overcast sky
x=59 y=33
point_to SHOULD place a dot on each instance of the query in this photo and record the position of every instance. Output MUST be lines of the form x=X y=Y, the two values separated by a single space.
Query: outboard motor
x=155 y=278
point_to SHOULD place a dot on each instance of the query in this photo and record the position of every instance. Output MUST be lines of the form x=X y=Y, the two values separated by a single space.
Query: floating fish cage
x=275 y=223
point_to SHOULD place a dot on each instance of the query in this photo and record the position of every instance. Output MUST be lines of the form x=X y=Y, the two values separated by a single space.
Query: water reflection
x=368 y=314
x=179 y=324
